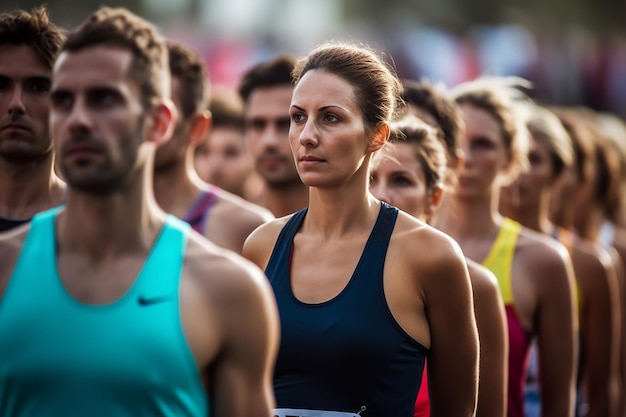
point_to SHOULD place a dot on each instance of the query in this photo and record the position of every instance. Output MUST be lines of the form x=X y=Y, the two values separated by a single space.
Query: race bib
x=291 y=412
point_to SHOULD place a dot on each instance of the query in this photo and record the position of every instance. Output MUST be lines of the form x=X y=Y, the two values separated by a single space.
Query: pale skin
x=429 y=294
x=31 y=186
x=398 y=179
x=177 y=186
x=542 y=276
x=596 y=278
x=103 y=239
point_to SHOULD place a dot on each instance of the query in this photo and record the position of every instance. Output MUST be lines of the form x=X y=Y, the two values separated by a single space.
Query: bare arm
x=557 y=330
x=494 y=342
x=598 y=299
x=241 y=378
x=453 y=356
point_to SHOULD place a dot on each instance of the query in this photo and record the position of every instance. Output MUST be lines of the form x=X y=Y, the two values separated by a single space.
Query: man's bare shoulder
x=219 y=271
x=11 y=243
x=232 y=203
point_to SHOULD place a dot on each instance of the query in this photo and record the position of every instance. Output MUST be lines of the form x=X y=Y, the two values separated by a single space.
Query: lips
x=16 y=126
x=309 y=158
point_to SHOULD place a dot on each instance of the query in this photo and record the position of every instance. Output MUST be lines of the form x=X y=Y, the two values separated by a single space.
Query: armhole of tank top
x=36 y=229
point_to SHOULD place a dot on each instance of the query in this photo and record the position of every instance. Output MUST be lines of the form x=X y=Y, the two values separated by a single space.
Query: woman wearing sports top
x=361 y=308
x=412 y=173
x=534 y=271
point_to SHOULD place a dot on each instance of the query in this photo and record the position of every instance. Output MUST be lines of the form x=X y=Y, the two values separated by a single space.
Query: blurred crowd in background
x=574 y=52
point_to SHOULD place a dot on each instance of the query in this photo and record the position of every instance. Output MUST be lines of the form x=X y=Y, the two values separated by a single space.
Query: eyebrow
x=323 y=108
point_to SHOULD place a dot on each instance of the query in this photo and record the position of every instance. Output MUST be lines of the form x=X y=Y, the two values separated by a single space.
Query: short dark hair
x=273 y=73
x=188 y=68
x=19 y=27
x=226 y=109
x=120 y=28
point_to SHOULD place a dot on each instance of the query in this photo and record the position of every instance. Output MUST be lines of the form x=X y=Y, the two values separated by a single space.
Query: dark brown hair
x=188 y=68
x=34 y=29
x=375 y=83
x=428 y=146
x=119 y=28
x=273 y=73
x=433 y=100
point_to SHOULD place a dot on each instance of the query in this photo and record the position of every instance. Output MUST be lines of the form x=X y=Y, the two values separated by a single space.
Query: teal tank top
x=130 y=358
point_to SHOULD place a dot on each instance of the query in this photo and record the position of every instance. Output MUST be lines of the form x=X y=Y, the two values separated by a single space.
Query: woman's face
x=327 y=132
x=398 y=179
x=526 y=191
x=486 y=157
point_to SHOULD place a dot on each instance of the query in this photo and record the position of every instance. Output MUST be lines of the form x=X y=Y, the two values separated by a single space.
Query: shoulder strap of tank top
x=197 y=214
x=283 y=245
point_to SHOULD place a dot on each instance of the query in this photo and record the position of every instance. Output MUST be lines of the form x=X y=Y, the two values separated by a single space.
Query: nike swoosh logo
x=148 y=301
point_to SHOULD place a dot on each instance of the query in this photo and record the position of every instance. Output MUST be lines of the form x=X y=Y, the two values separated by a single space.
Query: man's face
x=97 y=119
x=223 y=159
x=24 y=104
x=267 y=133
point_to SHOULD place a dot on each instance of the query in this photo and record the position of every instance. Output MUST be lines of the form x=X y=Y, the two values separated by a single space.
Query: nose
x=16 y=106
x=467 y=155
x=308 y=136
x=79 y=120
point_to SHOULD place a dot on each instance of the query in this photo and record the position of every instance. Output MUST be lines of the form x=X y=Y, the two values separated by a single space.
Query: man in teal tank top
x=108 y=306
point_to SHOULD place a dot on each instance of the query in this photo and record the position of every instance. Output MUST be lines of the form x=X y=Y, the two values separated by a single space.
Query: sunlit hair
x=434 y=100
x=376 y=86
x=501 y=97
x=34 y=29
x=614 y=130
x=119 y=28
x=427 y=145
x=545 y=126
x=188 y=68
x=596 y=157
x=273 y=73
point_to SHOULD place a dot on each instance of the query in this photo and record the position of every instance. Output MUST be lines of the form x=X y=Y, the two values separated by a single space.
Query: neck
x=123 y=222
x=589 y=227
x=176 y=187
x=28 y=189
x=284 y=200
x=533 y=215
x=465 y=219
x=343 y=210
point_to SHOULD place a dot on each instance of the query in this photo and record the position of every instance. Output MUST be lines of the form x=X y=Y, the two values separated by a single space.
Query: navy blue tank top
x=348 y=354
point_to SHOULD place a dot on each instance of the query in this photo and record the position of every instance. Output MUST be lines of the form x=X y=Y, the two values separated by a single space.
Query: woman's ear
x=435 y=197
x=164 y=115
x=380 y=137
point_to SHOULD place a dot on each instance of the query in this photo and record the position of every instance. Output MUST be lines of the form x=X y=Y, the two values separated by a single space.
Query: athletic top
x=347 y=355
x=422 y=403
x=129 y=358
x=197 y=214
x=500 y=262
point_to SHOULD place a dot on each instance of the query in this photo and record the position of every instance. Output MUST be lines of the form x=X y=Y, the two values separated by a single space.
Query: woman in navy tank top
x=365 y=292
